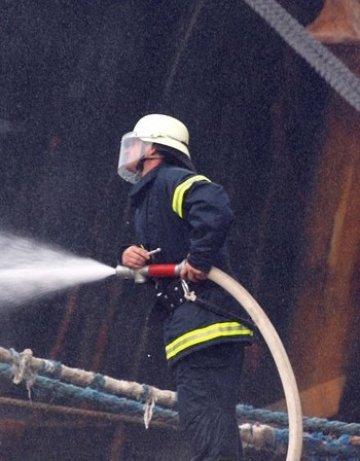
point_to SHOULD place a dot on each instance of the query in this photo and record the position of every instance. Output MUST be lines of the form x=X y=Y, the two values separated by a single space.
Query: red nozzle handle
x=163 y=270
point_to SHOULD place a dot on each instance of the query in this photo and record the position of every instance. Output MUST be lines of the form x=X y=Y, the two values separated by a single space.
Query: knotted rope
x=45 y=378
x=21 y=369
x=25 y=367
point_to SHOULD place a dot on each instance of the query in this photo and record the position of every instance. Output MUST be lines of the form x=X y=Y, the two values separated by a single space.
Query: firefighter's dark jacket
x=188 y=216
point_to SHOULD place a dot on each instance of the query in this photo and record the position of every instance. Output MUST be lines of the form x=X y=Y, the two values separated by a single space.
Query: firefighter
x=188 y=216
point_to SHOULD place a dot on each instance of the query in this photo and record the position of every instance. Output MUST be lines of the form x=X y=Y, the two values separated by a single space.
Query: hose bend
x=278 y=353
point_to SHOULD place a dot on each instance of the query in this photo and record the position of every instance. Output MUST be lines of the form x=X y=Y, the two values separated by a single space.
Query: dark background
x=77 y=75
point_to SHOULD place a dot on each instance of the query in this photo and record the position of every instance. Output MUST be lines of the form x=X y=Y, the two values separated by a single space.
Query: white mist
x=29 y=269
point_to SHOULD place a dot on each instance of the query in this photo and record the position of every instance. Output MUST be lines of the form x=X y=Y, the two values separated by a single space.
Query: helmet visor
x=132 y=150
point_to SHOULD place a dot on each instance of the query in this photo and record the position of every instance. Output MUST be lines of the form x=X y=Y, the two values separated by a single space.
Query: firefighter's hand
x=189 y=273
x=135 y=257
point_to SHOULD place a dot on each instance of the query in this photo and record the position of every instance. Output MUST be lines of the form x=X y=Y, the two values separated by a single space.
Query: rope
x=150 y=399
x=249 y=413
x=21 y=369
x=143 y=404
x=25 y=366
x=49 y=389
x=30 y=367
x=320 y=58
x=254 y=436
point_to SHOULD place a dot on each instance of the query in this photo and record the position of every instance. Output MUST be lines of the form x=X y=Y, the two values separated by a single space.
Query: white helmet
x=158 y=129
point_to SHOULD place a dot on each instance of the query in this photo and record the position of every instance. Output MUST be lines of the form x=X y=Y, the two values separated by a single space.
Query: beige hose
x=278 y=353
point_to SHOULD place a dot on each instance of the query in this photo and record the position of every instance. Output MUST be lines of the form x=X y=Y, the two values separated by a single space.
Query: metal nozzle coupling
x=126 y=273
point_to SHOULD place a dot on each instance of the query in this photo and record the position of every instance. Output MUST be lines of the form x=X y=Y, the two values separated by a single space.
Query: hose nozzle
x=153 y=270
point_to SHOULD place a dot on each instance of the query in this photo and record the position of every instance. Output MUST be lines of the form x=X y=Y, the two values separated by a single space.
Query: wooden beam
x=118 y=443
x=17 y=413
x=324 y=326
x=321 y=400
x=69 y=313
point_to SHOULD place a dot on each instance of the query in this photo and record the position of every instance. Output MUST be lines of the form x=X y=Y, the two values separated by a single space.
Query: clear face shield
x=132 y=150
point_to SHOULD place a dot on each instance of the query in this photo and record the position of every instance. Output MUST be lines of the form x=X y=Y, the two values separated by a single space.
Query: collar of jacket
x=141 y=186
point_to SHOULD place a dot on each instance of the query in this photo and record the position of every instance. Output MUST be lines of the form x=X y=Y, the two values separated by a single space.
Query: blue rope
x=244 y=412
x=48 y=389
x=98 y=382
x=51 y=368
x=247 y=412
x=146 y=393
x=316 y=445
x=319 y=445
x=54 y=390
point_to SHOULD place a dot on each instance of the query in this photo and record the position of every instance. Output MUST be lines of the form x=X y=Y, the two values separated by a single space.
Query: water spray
x=30 y=270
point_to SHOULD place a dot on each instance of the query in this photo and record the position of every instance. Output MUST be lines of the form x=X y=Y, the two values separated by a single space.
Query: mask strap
x=143 y=159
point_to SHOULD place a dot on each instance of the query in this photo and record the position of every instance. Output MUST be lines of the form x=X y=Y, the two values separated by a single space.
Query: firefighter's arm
x=208 y=211
x=206 y=208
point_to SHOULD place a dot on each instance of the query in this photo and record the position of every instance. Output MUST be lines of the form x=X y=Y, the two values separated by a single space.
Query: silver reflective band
x=205 y=334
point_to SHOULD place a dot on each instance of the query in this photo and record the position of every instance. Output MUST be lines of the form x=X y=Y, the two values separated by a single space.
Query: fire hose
x=263 y=325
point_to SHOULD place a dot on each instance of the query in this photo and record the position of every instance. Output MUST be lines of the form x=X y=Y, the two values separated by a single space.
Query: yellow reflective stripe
x=201 y=335
x=178 y=197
